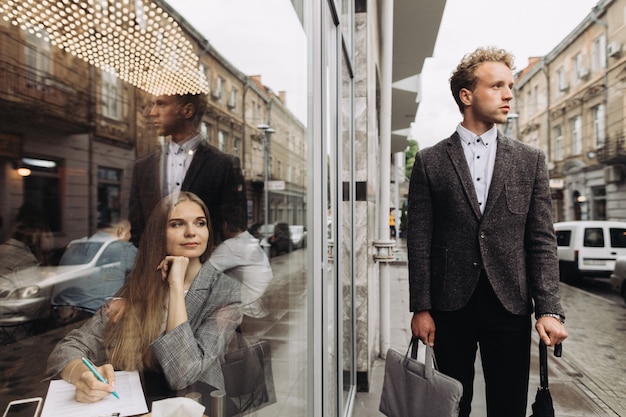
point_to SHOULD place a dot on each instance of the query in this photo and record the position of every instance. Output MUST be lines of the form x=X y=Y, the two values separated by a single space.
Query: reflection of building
x=78 y=129
x=330 y=307
x=569 y=104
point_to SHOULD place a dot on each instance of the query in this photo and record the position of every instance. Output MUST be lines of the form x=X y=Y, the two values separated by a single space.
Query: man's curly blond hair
x=464 y=76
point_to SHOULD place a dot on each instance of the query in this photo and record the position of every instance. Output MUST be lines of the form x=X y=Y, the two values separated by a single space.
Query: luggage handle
x=429 y=360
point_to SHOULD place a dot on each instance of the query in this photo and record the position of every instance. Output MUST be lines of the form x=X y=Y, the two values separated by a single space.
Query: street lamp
x=267 y=131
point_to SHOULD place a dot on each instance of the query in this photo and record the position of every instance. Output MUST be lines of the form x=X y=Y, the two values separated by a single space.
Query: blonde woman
x=175 y=314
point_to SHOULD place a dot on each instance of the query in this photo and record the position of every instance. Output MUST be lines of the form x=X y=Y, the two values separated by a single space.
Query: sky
x=266 y=38
x=526 y=29
x=259 y=37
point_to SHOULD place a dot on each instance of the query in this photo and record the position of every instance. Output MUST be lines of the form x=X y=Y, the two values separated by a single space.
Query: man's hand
x=423 y=327
x=550 y=330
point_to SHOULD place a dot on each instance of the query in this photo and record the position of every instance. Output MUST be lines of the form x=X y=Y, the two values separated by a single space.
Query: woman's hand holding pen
x=89 y=389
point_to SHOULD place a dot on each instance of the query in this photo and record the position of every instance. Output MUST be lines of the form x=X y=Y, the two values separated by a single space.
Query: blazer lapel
x=457 y=156
x=199 y=157
x=197 y=294
x=500 y=171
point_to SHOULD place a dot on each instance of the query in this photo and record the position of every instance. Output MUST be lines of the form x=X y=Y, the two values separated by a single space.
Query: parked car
x=28 y=294
x=589 y=248
x=618 y=277
x=298 y=236
x=280 y=240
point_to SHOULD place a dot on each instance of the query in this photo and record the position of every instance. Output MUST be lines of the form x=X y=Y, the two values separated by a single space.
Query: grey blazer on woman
x=450 y=242
x=191 y=352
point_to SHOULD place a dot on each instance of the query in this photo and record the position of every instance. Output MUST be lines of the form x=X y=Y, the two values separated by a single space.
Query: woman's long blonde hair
x=128 y=337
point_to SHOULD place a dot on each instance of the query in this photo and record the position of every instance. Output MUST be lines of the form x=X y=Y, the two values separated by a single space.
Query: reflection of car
x=298 y=236
x=589 y=248
x=618 y=277
x=280 y=240
x=26 y=295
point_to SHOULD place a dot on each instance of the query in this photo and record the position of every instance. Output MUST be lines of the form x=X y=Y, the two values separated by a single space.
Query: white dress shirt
x=480 y=153
x=178 y=159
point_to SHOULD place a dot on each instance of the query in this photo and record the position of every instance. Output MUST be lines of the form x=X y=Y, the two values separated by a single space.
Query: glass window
x=593 y=237
x=558 y=143
x=111 y=103
x=618 y=237
x=42 y=191
x=109 y=195
x=598 y=125
x=598 y=53
x=88 y=149
x=577 y=144
x=563 y=237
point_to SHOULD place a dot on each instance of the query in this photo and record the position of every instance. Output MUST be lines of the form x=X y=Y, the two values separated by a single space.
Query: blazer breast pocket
x=518 y=195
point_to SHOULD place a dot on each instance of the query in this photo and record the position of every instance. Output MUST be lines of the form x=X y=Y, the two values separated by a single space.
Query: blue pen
x=93 y=369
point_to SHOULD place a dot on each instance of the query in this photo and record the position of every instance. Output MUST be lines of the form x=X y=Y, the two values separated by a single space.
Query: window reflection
x=80 y=129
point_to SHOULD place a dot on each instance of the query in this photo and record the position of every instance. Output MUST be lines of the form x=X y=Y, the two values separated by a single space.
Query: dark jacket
x=213 y=175
x=450 y=242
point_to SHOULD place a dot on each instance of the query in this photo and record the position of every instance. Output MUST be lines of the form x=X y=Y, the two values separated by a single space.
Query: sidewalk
x=570 y=398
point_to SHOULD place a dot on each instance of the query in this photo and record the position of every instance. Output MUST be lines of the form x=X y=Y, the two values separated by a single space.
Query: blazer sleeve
x=541 y=254
x=194 y=350
x=85 y=341
x=419 y=232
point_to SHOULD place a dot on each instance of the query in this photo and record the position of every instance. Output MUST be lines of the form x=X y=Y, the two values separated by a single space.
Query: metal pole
x=385 y=165
x=267 y=202
x=267 y=130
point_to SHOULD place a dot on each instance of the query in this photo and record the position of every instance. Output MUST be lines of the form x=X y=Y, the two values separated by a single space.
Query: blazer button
x=475 y=265
x=483 y=235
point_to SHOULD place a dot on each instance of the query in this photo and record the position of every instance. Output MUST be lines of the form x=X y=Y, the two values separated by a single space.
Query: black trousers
x=504 y=342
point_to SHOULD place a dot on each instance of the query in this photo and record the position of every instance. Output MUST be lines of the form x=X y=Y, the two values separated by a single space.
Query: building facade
x=570 y=104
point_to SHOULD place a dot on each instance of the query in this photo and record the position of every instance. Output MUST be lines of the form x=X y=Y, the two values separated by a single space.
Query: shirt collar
x=470 y=138
x=188 y=147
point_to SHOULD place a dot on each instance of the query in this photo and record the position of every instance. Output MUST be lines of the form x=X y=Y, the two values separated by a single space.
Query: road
x=596 y=322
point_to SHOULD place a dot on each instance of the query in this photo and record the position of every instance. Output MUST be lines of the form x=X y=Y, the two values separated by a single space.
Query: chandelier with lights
x=134 y=39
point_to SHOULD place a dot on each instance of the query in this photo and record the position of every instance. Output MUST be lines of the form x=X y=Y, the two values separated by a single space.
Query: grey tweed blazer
x=449 y=242
x=191 y=352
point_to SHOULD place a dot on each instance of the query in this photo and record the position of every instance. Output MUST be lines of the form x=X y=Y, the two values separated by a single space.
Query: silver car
x=93 y=271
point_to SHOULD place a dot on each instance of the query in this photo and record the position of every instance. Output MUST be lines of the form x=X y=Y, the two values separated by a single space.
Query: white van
x=589 y=248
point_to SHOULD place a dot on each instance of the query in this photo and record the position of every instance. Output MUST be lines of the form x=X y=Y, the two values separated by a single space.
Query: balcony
x=30 y=97
x=614 y=150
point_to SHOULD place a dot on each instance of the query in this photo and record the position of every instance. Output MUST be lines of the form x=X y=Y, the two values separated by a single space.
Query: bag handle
x=429 y=360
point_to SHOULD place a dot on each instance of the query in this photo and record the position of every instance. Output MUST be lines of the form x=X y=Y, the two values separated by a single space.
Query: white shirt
x=480 y=153
x=178 y=159
x=242 y=258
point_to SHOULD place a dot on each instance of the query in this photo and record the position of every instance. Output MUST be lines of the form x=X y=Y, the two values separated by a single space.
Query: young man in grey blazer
x=481 y=245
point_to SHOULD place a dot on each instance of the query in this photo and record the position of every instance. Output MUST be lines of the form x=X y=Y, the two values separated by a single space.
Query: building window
x=232 y=101
x=204 y=131
x=219 y=88
x=598 y=125
x=221 y=141
x=598 y=53
x=37 y=55
x=561 y=78
x=236 y=146
x=598 y=204
x=111 y=97
x=109 y=204
x=42 y=191
x=576 y=136
x=580 y=70
x=558 y=143
x=204 y=73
